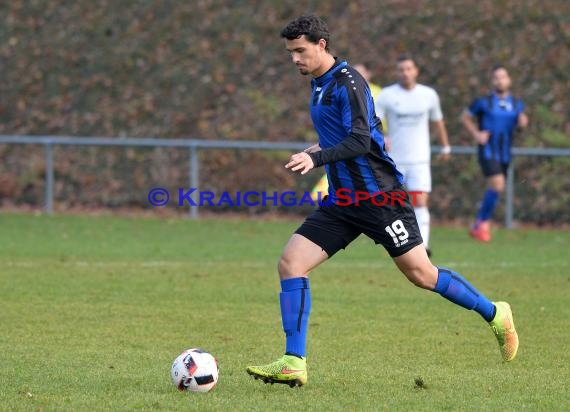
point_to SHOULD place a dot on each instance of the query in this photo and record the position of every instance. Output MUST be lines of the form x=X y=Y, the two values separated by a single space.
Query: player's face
x=307 y=56
x=407 y=73
x=501 y=80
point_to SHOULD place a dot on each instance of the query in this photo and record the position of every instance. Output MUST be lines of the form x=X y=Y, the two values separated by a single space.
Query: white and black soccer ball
x=195 y=370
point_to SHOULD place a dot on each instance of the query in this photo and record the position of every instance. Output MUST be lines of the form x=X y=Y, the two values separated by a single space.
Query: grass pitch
x=94 y=309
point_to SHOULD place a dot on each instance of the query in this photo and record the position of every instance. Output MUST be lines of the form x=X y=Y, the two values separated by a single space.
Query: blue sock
x=295 y=299
x=454 y=288
x=488 y=205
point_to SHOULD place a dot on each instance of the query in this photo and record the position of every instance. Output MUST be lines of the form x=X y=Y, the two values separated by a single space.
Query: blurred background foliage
x=210 y=69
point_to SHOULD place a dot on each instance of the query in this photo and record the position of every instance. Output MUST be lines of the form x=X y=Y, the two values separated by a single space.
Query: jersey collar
x=496 y=96
x=324 y=78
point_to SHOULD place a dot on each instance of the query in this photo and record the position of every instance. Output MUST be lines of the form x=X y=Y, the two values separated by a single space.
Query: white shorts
x=417 y=176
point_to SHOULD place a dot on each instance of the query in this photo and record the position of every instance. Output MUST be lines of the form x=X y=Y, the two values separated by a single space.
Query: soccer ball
x=195 y=370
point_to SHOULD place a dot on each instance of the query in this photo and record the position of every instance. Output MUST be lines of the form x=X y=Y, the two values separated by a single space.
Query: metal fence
x=194 y=145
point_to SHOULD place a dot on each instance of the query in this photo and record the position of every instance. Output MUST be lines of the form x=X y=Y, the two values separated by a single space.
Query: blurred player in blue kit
x=498 y=116
x=351 y=149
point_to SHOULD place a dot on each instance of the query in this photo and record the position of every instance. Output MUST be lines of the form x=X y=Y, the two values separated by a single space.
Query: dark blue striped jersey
x=342 y=104
x=498 y=116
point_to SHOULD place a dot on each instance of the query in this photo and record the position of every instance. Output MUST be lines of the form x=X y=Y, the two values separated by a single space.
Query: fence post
x=194 y=170
x=509 y=203
x=48 y=197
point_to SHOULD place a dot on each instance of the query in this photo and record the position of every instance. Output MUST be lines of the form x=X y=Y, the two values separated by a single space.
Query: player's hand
x=522 y=121
x=300 y=162
x=444 y=156
x=387 y=143
x=482 y=136
x=312 y=149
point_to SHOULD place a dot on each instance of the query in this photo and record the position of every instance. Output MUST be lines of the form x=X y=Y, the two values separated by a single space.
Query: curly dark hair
x=312 y=27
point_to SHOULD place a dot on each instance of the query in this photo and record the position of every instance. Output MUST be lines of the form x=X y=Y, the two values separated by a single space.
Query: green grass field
x=94 y=309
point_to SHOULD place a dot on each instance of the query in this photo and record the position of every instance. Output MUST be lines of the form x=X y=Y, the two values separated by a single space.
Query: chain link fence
x=66 y=173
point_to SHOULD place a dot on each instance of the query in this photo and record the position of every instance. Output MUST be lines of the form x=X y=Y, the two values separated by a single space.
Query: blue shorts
x=492 y=167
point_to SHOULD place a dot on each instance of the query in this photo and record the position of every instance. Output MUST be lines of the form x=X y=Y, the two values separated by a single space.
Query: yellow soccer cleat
x=289 y=370
x=504 y=329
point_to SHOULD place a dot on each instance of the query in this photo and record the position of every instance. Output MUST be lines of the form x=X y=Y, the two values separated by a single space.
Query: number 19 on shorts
x=398 y=232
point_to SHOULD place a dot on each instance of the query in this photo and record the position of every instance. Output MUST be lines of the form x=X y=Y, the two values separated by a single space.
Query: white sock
x=422 y=216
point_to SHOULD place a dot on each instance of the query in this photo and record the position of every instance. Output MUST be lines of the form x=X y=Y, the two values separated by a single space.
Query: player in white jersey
x=409 y=108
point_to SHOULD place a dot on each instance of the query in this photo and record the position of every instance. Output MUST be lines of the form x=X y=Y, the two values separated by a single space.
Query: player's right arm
x=355 y=144
x=312 y=149
x=353 y=109
x=468 y=120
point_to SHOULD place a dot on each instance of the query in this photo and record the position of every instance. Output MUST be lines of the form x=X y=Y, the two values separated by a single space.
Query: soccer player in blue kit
x=498 y=115
x=351 y=148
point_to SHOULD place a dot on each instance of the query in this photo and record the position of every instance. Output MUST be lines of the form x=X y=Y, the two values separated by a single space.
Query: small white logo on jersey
x=318 y=89
x=343 y=71
x=504 y=104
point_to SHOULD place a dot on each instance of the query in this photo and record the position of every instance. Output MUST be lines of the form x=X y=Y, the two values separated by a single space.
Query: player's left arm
x=441 y=131
x=436 y=117
x=522 y=120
